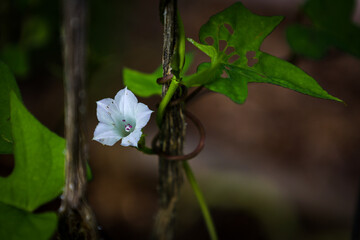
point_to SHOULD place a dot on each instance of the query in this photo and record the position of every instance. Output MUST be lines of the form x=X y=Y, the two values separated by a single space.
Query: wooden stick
x=76 y=217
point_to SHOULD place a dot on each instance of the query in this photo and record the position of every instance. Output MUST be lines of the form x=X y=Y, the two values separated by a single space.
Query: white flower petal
x=106 y=134
x=121 y=118
x=106 y=110
x=142 y=115
x=132 y=139
x=126 y=102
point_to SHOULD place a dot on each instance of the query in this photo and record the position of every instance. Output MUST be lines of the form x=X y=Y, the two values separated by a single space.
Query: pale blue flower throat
x=126 y=127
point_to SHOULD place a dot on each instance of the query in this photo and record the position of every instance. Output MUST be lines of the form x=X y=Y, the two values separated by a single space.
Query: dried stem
x=171 y=138
x=76 y=217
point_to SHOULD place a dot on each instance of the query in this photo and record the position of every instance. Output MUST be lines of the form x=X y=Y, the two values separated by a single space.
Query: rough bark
x=76 y=217
x=171 y=137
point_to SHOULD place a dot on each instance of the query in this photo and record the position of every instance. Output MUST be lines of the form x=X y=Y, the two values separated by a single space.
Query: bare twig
x=171 y=136
x=76 y=217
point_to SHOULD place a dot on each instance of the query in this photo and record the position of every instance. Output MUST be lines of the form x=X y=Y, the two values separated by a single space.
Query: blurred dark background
x=281 y=166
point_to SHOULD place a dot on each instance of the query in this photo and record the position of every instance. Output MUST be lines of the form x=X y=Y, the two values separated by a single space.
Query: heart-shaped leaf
x=17 y=224
x=7 y=84
x=37 y=178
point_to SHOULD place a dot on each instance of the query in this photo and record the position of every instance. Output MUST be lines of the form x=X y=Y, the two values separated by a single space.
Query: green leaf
x=189 y=58
x=205 y=74
x=241 y=60
x=16 y=224
x=334 y=18
x=236 y=92
x=207 y=49
x=331 y=19
x=89 y=175
x=249 y=31
x=38 y=176
x=144 y=84
x=16 y=58
x=307 y=41
x=7 y=84
x=178 y=58
x=283 y=73
x=35 y=32
x=330 y=13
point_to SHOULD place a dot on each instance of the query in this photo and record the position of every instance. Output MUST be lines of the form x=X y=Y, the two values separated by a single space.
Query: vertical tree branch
x=171 y=137
x=76 y=218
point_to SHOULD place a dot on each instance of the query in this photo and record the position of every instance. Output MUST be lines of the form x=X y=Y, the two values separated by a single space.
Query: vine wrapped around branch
x=171 y=138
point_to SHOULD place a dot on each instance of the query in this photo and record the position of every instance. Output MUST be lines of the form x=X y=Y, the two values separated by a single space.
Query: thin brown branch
x=76 y=218
x=171 y=136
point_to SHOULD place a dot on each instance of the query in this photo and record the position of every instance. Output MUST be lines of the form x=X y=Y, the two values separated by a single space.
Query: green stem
x=146 y=150
x=204 y=209
x=165 y=101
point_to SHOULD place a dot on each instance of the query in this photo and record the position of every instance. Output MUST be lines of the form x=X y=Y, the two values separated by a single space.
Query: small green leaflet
x=7 y=84
x=332 y=25
x=178 y=59
x=241 y=58
x=38 y=176
x=144 y=84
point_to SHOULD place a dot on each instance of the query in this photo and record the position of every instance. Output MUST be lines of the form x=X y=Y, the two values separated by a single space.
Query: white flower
x=121 y=118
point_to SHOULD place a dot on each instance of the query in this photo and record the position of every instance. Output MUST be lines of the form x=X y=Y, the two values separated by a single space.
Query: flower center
x=128 y=127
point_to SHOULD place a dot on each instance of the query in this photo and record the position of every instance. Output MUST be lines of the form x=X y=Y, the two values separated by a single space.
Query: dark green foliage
x=332 y=25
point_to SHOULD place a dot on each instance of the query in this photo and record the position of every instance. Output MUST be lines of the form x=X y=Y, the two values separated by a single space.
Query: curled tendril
x=188 y=156
x=198 y=124
x=165 y=79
